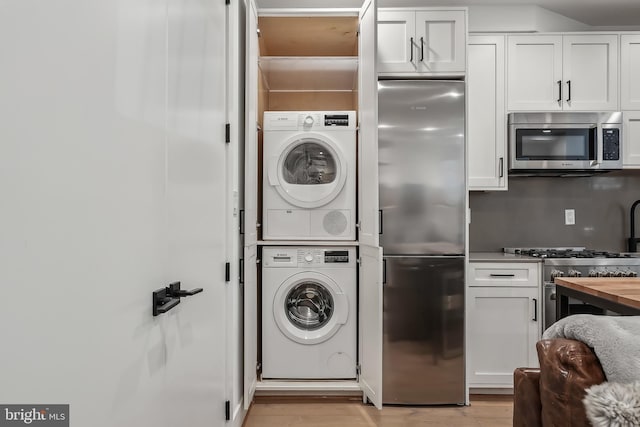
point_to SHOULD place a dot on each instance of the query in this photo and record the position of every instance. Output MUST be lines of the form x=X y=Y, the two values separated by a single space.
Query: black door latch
x=166 y=298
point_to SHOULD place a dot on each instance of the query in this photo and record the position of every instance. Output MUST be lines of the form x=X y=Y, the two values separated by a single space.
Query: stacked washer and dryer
x=309 y=291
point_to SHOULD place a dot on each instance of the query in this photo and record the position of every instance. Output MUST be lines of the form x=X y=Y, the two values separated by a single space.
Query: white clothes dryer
x=309 y=313
x=309 y=175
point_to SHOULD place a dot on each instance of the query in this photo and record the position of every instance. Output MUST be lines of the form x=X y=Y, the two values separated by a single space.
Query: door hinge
x=227 y=272
x=227 y=133
x=241 y=276
x=227 y=410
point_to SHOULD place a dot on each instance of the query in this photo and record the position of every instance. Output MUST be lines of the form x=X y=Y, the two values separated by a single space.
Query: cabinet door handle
x=501 y=275
x=559 y=90
x=501 y=167
x=421 y=49
x=569 y=90
x=535 y=309
x=380 y=219
x=411 y=49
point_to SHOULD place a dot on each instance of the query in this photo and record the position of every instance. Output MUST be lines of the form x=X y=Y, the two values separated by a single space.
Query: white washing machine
x=309 y=316
x=309 y=175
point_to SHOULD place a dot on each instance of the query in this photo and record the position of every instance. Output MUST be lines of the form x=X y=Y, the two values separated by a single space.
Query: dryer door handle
x=273 y=171
x=342 y=315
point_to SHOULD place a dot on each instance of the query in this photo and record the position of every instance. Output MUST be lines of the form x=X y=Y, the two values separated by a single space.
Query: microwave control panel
x=611 y=144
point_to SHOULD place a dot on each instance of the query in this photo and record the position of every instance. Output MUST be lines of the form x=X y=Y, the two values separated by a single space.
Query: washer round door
x=309 y=172
x=309 y=308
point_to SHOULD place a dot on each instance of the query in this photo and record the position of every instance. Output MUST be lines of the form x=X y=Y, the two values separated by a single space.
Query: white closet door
x=250 y=206
x=370 y=278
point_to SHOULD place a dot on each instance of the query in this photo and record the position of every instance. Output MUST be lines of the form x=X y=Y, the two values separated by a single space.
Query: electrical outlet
x=569 y=216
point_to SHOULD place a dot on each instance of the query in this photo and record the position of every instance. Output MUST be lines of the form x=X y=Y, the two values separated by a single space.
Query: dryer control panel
x=336 y=120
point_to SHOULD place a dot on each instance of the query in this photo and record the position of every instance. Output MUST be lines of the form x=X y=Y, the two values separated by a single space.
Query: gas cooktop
x=567 y=253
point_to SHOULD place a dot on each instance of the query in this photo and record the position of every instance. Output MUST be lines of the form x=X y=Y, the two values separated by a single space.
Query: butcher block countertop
x=620 y=290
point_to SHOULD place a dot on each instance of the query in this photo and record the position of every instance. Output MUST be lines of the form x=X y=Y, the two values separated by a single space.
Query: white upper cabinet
x=631 y=137
x=441 y=39
x=630 y=71
x=396 y=39
x=534 y=73
x=555 y=72
x=590 y=71
x=486 y=123
x=422 y=41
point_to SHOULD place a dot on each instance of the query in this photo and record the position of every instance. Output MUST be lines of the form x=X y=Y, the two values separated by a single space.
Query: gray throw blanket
x=614 y=339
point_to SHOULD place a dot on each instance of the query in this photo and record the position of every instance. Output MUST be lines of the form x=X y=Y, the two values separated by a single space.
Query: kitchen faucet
x=633 y=240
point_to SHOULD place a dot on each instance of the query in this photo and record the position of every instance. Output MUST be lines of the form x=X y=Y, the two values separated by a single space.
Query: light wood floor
x=484 y=411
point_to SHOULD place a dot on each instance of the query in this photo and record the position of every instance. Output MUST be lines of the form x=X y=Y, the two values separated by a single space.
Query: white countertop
x=500 y=257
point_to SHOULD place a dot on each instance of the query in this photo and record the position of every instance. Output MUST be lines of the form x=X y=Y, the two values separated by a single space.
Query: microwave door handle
x=598 y=159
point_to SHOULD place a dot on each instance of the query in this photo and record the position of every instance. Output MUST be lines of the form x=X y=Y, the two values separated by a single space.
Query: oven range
x=577 y=262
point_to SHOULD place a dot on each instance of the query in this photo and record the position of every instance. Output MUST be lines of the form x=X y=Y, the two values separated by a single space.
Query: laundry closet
x=312 y=268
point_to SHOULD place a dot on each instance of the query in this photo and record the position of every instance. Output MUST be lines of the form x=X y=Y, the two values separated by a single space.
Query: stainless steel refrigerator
x=422 y=215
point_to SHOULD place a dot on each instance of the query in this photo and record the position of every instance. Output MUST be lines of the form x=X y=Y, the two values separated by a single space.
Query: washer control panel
x=336 y=256
x=308 y=256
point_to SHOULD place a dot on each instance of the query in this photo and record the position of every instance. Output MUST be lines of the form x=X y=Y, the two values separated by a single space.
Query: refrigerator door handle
x=384 y=271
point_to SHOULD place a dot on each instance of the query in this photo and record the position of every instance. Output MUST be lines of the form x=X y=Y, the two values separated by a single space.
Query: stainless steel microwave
x=565 y=142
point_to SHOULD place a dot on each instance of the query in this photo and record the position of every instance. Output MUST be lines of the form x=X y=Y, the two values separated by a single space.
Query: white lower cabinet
x=503 y=325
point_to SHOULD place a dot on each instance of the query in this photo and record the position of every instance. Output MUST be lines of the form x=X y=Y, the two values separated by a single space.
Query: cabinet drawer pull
x=501 y=275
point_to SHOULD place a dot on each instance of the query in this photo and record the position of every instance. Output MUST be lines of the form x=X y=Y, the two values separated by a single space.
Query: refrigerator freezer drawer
x=423 y=323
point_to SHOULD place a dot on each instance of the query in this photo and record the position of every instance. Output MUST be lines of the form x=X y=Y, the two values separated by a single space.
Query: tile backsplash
x=532 y=212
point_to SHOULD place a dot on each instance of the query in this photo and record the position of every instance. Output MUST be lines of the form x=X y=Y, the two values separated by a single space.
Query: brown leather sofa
x=552 y=395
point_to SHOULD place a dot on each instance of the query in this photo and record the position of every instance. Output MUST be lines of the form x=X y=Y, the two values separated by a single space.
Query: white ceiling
x=591 y=12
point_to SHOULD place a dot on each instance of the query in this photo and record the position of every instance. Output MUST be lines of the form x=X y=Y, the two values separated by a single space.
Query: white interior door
x=250 y=206
x=111 y=173
x=370 y=270
x=196 y=193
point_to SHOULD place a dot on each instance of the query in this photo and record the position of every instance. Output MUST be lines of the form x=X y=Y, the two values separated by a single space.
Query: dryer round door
x=310 y=307
x=309 y=172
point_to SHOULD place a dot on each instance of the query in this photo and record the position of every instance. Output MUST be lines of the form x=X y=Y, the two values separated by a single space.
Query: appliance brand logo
x=567 y=164
x=39 y=415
